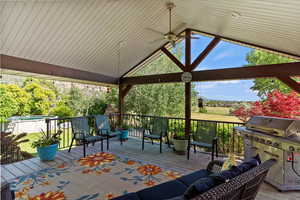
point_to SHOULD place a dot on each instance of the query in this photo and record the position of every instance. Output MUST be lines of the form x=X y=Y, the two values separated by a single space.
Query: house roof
x=86 y=35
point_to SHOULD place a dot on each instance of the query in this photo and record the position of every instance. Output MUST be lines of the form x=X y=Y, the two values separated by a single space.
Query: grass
x=218 y=110
x=26 y=146
x=216 y=114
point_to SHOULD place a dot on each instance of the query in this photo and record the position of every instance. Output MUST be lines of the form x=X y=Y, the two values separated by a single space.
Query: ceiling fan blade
x=155 y=31
x=183 y=36
x=180 y=27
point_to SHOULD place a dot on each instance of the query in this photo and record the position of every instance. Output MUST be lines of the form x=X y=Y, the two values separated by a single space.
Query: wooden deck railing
x=228 y=141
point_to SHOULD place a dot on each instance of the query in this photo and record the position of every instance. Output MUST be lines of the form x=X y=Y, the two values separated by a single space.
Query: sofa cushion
x=200 y=186
x=235 y=171
x=128 y=196
x=163 y=191
x=191 y=178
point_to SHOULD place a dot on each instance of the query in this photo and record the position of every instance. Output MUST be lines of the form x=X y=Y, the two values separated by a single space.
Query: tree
x=277 y=104
x=14 y=101
x=62 y=110
x=97 y=106
x=76 y=100
x=42 y=96
x=8 y=103
x=22 y=98
x=157 y=99
x=266 y=85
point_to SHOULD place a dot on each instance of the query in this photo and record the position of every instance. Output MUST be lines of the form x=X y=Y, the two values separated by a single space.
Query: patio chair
x=205 y=137
x=103 y=128
x=158 y=129
x=82 y=133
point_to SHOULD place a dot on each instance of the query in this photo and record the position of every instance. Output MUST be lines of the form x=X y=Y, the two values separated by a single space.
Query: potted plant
x=124 y=129
x=47 y=146
x=180 y=141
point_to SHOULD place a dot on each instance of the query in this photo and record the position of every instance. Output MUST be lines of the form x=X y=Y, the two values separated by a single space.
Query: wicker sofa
x=242 y=187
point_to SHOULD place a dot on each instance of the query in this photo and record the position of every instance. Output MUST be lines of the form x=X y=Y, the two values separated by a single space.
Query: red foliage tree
x=277 y=104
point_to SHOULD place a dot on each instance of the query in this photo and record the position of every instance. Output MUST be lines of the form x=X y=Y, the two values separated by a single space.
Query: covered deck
x=132 y=149
x=106 y=42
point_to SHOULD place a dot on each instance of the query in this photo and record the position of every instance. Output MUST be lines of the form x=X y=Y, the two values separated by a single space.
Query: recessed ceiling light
x=235 y=15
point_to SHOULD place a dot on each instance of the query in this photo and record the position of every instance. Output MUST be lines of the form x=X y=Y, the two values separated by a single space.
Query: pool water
x=30 y=117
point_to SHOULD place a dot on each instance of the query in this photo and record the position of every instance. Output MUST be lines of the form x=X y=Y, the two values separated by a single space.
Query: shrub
x=62 y=110
x=10 y=149
x=46 y=141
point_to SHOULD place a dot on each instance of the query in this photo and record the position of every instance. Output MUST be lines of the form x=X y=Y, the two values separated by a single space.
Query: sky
x=224 y=55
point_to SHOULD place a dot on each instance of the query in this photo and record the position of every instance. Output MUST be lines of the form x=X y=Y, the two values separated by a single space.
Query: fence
x=227 y=140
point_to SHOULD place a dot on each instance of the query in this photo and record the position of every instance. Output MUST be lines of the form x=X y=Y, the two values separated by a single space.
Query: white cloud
x=209 y=85
x=223 y=55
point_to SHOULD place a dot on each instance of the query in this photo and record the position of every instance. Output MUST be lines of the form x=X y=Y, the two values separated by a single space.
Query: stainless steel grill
x=277 y=138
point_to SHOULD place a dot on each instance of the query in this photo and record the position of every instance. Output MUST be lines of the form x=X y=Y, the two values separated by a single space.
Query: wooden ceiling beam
x=252 y=45
x=205 y=52
x=290 y=82
x=260 y=71
x=173 y=58
x=25 y=65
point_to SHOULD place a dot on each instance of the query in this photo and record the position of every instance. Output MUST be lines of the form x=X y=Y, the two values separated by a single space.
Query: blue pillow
x=199 y=187
x=226 y=175
x=234 y=171
x=253 y=162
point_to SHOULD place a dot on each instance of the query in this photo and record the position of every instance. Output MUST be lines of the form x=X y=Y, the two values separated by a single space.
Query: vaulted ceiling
x=86 y=35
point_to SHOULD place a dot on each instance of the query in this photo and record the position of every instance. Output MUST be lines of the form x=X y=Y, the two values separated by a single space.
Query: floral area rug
x=98 y=176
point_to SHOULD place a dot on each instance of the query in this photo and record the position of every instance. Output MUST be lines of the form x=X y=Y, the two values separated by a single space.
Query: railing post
x=48 y=127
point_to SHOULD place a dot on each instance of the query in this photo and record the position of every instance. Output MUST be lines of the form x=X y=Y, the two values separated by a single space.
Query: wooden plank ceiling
x=86 y=35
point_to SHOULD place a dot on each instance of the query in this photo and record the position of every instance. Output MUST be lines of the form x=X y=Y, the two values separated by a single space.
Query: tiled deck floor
x=132 y=149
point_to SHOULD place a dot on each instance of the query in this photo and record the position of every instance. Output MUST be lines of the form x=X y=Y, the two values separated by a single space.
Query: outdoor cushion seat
x=90 y=138
x=191 y=178
x=112 y=133
x=165 y=190
x=205 y=181
x=152 y=136
x=201 y=144
x=128 y=196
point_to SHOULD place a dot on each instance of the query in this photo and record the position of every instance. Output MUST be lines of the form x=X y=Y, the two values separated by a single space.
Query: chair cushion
x=201 y=144
x=89 y=138
x=191 y=178
x=166 y=190
x=235 y=171
x=226 y=175
x=129 y=196
x=112 y=133
x=253 y=162
x=200 y=186
x=152 y=136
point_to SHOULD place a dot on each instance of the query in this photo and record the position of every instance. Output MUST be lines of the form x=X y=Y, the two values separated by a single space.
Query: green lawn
x=26 y=146
x=218 y=110
x=216 y=114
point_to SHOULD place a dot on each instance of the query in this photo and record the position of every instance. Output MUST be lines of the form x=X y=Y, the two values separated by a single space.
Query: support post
x=123 y=91
x=188 y=85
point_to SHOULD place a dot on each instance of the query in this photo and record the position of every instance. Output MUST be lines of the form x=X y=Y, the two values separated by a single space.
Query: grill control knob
x=291 y=148
x=256 y=139
x=276 y=144
x=261 y=140
x=269 y=142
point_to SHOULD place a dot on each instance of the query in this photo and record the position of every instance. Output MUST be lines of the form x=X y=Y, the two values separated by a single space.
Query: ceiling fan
x=170 y=36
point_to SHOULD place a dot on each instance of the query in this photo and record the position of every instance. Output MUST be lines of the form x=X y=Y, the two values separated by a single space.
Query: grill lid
x=276 y=126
